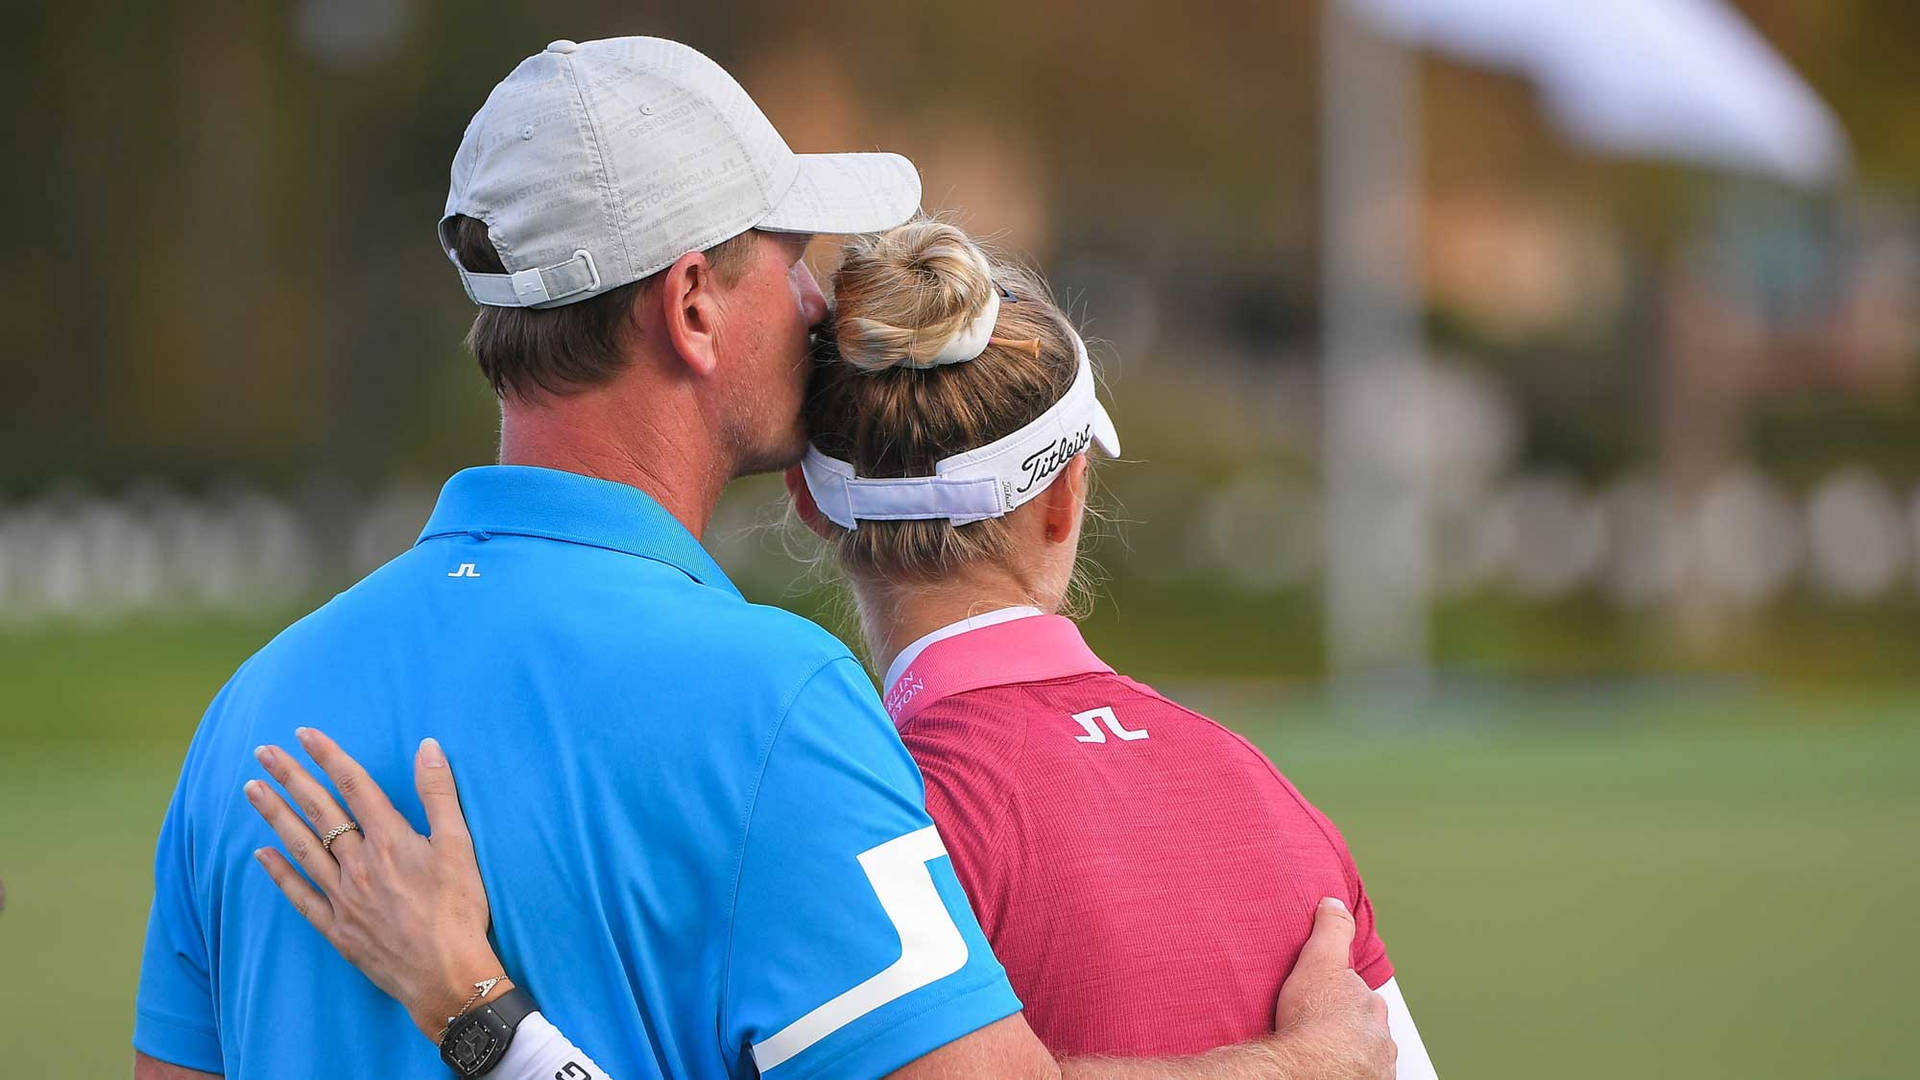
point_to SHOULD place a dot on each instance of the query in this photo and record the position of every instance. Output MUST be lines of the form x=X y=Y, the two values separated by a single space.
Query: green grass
x=1596 y=882
x=1711 y=900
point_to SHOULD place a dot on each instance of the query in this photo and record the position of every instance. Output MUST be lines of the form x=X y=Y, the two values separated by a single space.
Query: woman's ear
x=1063 y=501
x=690 y=308
x=804 y=505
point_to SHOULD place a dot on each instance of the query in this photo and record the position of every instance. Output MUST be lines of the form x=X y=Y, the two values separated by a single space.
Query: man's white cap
x=599 y=163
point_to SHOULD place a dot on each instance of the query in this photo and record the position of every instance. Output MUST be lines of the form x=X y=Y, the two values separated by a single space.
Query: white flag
x=1688 y=80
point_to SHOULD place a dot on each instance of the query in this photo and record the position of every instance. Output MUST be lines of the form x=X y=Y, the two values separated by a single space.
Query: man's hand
x=1329 y=1027
x=1328 y=1024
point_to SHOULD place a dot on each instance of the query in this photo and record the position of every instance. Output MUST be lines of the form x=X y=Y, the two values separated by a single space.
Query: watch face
x=470 y=1045
x=474 y=1045
x=476 y=1042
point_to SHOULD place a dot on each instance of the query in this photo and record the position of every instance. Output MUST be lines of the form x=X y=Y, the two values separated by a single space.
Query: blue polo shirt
x=706 y=849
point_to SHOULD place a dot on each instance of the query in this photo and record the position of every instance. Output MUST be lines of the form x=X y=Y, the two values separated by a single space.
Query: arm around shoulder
x=1330 y=1027
x=1008 y=1050
x=1005 y=1048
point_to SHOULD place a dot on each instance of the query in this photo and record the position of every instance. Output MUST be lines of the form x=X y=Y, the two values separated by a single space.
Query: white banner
x=1688 y=80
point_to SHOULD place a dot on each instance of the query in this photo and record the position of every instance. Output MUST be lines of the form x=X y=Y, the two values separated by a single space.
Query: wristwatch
x=477 y=1039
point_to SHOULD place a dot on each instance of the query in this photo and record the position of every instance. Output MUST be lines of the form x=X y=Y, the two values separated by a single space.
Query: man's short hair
x=527 y=352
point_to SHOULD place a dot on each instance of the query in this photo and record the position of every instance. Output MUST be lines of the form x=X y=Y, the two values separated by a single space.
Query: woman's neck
x=894 y=617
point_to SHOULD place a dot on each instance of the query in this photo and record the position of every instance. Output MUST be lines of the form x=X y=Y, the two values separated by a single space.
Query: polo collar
x=954 y=629
x=1025 y=649
x=521 y=500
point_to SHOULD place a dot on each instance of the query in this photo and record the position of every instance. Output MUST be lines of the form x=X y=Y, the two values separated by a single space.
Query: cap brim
x=1104 y=434
x=847 y=193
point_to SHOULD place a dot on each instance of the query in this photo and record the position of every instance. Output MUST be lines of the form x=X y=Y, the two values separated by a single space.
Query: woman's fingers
x=301 y=841
x=368 y=804
x=311 y=796
x=306 y=899
x=434 y=778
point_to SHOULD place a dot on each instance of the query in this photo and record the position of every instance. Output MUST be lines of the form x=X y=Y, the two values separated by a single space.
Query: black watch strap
x=512 y=1007
x=477 y=1039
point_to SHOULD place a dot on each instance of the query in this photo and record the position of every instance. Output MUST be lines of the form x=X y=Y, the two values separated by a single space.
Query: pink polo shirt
x=1146 y=876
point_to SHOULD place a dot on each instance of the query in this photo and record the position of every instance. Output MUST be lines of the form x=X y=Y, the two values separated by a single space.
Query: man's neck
x=673 y=462
x=893 y=618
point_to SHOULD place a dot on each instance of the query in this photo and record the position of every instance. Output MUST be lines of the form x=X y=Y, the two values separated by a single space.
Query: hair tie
x=967 y=342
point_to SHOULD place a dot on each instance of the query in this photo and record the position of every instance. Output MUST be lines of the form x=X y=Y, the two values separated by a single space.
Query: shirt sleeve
x=174 y=1016
x=853 y=948
x=540 y=1052
x=1369 y=952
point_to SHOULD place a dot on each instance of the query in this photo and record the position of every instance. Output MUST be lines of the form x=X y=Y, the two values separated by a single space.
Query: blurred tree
x=221 y=258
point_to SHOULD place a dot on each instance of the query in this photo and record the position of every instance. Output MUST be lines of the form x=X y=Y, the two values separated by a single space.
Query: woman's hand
x=408 y=910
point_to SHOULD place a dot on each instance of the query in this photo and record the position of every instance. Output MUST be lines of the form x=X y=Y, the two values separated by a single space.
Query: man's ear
x=1063 y=500
x=804 y=505
x=689 y=304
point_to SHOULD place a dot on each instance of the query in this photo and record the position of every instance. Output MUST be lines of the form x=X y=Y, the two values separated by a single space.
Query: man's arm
x=146 y=1068
x=1330 y=1027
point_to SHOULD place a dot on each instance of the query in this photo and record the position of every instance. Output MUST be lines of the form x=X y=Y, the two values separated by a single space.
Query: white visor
x=989 y=482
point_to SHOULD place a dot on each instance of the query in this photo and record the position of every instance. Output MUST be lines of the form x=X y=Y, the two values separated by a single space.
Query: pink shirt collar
x=1030 y=648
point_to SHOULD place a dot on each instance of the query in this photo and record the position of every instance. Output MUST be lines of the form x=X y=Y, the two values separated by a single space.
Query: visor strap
x=989 y=481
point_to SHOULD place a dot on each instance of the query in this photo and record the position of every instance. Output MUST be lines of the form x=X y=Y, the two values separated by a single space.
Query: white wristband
x=540 y=1052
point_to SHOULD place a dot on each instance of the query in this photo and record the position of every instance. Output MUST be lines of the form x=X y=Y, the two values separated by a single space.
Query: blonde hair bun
x=901 y=295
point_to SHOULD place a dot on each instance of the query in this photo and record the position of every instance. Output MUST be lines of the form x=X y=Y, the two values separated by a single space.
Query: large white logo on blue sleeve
x=931 y=947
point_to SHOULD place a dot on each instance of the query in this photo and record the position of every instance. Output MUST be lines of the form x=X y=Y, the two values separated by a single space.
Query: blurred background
x=1522 y=406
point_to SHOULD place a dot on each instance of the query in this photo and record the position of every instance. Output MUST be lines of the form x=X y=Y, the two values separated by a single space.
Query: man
x=713 y=850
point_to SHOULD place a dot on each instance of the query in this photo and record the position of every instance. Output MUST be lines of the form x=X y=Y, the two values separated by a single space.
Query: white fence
x=153 y=550
x=1852 y=537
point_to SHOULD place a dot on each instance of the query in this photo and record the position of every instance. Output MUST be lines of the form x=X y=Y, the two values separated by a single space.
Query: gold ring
x=336 y=833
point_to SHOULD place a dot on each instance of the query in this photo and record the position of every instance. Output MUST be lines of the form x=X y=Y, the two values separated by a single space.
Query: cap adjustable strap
x=534 y=286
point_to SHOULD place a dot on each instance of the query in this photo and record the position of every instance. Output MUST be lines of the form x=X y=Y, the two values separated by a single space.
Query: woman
x=1146 y=877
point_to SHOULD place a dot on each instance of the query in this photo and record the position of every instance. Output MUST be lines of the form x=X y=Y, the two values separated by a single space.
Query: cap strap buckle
x=540 y=286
